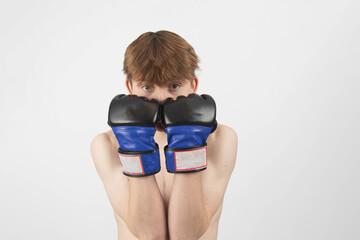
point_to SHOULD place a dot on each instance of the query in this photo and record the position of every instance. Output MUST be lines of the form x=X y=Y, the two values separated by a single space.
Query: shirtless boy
x=166 y=162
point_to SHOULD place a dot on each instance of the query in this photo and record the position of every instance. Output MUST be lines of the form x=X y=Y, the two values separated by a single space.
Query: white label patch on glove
x=192 y=159
x=131 y=164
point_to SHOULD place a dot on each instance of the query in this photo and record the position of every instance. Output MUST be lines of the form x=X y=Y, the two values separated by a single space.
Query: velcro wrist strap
x=140 y=164
x=183 y=160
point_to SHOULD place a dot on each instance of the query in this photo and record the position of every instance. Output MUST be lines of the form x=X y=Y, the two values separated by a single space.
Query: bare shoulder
x=104 y=154
x=223 y=145
x=222 y=150
x=108 y=166
x=225 y=132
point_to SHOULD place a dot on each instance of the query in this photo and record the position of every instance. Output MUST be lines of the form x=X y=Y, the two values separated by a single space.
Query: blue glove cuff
x=185 y=136
x=135 y=138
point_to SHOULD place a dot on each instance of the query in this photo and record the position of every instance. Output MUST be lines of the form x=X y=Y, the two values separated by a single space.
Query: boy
x=157 y=200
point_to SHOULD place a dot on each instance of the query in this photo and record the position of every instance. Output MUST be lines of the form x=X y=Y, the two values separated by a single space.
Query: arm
x=196 y=198
x=137 y=201
x=188 y=215
x=146 y=215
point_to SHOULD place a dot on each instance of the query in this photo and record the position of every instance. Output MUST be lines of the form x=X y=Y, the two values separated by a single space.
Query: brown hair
x=160 y=58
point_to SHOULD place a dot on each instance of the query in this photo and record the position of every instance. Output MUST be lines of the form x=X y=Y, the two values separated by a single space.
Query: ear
x=128 y=85
x=194 y=84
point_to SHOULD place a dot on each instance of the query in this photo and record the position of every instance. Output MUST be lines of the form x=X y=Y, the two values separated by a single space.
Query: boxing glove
x=188 y=122
x=133 y=121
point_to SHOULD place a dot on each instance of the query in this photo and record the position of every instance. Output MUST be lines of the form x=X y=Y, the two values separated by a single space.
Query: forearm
x=146 y=216
x=188 y=218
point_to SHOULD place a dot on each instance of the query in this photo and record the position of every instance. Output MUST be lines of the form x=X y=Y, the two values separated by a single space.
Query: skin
x=167 y=206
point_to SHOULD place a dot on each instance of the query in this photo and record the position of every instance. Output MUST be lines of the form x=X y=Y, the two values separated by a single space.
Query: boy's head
x=159 y=65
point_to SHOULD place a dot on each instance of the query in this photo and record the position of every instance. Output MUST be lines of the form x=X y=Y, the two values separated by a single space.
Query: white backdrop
x=285 y=75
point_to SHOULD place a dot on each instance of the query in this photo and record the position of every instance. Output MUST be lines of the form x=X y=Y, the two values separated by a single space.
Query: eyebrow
x=144 y=82
x=139 y=83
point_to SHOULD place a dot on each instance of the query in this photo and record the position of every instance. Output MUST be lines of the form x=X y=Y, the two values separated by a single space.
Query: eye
x=175 y=86
x=145 y=87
